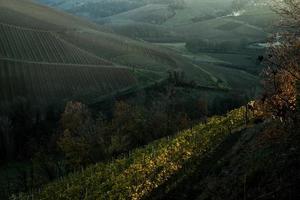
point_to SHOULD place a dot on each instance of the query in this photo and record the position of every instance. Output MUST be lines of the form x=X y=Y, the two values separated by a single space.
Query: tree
x=75 y=149
x=7 y=140
x=283 y=64
x=75 y=115
x=289 y=10
x=78 y=134
x=127 y=128
x=280 y=76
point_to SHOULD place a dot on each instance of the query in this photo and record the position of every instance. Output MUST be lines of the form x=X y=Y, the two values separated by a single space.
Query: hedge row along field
x=46 y=83
x=136 y=176
x=41 y=46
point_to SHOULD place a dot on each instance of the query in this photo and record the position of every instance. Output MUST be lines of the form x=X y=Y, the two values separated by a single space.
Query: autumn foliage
x=280 y=77
x=283 y=64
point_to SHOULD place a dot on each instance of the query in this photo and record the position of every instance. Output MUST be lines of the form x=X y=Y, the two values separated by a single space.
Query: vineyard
x=136 y=176
x=137 y=55
x=42 y=84
x=41 y=46
x=111 y=47
x=35 y=41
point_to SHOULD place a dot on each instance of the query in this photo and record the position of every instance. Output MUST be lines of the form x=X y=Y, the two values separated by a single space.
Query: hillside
x=249 y=164
x=145 y=169
x=222 y=158
x=173 y=15
x=102 y=8
x=216 y=28
x=224 y=29
x=151 y=14
x=149 y=100
x=41 y=46
x=44 y=36
x=42 y=84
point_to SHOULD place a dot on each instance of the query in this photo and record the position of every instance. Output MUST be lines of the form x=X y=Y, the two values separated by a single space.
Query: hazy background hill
x=204 y=32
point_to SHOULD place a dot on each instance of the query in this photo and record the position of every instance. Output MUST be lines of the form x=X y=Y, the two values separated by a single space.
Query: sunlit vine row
x=137 y=175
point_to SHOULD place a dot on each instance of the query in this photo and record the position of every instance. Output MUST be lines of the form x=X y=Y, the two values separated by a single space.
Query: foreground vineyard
x=136 y=176
x=43 y=84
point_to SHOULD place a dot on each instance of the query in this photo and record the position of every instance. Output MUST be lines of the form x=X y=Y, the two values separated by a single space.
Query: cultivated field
x=41 y=46
x=44 y=84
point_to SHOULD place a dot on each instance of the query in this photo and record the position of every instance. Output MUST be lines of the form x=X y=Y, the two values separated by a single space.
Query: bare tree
x=289 y=10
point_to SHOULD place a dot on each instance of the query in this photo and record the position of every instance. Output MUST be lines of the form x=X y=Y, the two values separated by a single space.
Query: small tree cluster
x=85 y=140
x=280 y=76
x=290 y=12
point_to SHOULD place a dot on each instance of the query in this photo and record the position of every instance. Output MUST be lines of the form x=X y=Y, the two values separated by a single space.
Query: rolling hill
x=223 y=29
x=39 y=66
x=35 y=36
x=171 y=14
x=43 y=36
x=228 y=28
x=216 y=19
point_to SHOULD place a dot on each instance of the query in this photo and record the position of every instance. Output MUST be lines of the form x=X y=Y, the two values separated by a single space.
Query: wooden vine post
x=246 y=114
x=298 y=100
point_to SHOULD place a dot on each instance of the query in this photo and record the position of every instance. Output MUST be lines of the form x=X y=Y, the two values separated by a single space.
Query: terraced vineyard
x=42 y=84
x=41 y=46
x=136 y=176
